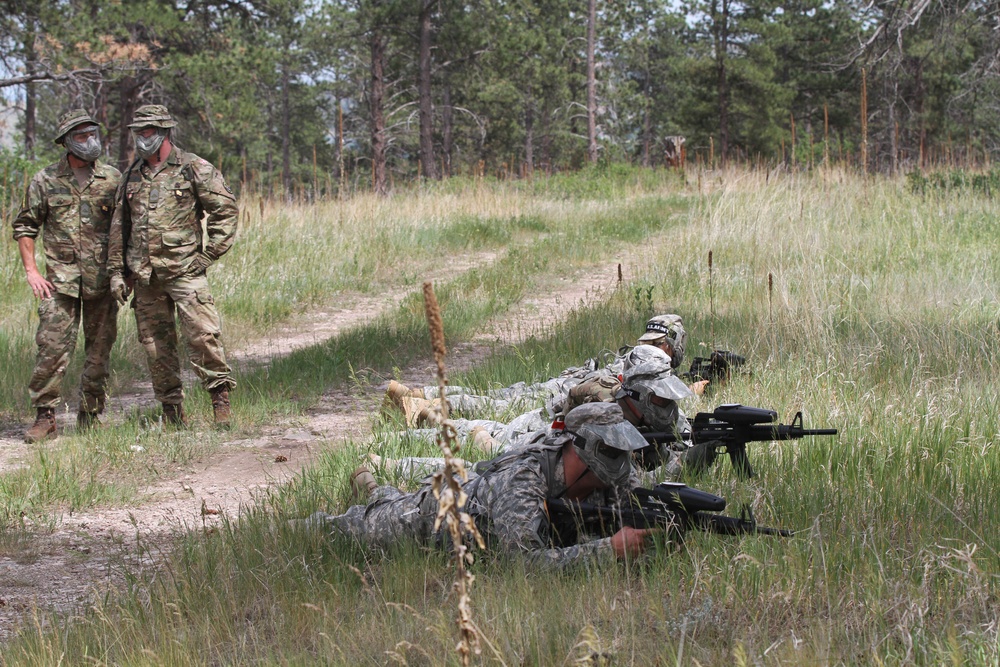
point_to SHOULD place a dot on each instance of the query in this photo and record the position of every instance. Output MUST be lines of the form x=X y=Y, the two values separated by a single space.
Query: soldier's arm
x=40 y=287
x=26 y=226
x=518 y=517
x=219 y=203
x=116 y=249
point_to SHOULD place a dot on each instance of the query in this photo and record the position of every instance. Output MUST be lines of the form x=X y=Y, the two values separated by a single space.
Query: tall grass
x=882 y=325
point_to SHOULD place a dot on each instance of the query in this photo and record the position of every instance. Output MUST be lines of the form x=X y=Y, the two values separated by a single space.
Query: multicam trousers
x=189 y=300
x=58 y=327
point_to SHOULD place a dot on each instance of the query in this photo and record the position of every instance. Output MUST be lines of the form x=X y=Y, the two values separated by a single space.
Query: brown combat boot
x=86 y=420
x=362 y=484
x=220 y=406
x=44 y=427
x=173 y=415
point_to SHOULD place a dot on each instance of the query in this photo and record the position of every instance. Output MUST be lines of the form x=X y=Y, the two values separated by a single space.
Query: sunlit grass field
x=871 y=309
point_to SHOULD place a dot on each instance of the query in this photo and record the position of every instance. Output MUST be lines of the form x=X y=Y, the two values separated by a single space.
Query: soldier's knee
x=149 y=344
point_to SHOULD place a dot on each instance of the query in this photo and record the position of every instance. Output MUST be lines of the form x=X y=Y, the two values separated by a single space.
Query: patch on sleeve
x=226 y=186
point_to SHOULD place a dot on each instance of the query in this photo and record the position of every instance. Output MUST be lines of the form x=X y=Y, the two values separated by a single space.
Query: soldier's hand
x=199 y=264
x=630 y=542
x=120 y=289
x=40 y=287
x=698 y=388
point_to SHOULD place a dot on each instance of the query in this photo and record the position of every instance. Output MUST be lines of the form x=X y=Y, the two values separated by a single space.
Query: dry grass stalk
x=448 y=490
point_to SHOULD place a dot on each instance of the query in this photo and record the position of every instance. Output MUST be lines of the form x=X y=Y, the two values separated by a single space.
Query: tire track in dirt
x=62 y=569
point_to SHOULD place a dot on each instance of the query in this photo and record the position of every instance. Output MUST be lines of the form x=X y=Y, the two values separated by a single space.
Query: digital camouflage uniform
x=167 y=254
x=646 y=371
x=74 y=222
x=507 y=501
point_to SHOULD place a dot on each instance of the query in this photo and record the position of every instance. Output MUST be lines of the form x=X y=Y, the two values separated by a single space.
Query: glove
x=119 y=289
x=700 y=457
x=200 y=262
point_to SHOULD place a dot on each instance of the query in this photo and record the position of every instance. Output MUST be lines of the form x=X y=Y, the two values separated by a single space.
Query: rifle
x=716 y=368
x=671 y=505
x=730 y=427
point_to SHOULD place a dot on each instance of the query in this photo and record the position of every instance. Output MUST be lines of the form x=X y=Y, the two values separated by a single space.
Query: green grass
x=882 y=323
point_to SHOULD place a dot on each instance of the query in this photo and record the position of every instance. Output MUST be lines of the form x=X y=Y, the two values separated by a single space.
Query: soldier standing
x=158 y=248
x=71 y=202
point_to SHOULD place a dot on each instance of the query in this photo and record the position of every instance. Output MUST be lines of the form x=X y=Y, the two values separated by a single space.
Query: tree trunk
x=29 y=90
x=286 y=130
x=128 y=90
x=891 y=129
x=721 y=29
x=918 y=110
x=424 y=92
x=546 y=146
x=647 y=122
x=338 y=144
x=591 y=83
x=378 y=48
x=447 y=129
x=529 y=136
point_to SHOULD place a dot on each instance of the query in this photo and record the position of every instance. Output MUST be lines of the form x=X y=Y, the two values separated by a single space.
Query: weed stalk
x=451 y=498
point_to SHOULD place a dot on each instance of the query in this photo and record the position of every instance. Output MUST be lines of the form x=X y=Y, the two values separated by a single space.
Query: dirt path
x=60 y=568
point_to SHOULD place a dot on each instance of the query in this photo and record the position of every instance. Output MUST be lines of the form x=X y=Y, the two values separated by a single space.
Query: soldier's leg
x=411 y=468
x=100 y=329
x=202 y=329
x=390 y=517
x=473 y=404
x=154 y=320
x=58 y=325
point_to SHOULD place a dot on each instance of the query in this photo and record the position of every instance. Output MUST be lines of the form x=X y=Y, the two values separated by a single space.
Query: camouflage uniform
x=507 y=501
x=74 y=221
x=168 y=255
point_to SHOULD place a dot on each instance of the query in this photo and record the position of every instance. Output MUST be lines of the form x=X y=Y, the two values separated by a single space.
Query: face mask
x=605 y=449
x=87 y=150
x=660 y=415
x=147 y=146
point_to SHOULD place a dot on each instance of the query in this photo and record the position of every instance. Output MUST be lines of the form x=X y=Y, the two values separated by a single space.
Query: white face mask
x=84 y=143
x=148 y=146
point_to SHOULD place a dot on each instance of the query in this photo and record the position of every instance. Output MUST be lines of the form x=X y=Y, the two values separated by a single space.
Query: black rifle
x=672 y=506
x=730 y=427
x=716 y=368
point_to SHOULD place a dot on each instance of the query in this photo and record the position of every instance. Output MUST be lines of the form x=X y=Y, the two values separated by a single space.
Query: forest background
x=318 y=96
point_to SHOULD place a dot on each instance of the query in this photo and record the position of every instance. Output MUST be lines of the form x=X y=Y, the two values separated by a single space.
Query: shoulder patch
x=226 y=186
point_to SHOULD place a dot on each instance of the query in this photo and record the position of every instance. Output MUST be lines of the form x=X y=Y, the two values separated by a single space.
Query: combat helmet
x=603 y=440
x=666 y=328
x=651 y=388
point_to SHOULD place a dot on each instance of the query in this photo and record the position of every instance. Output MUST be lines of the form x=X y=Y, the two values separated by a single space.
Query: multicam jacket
x=75 y=221
x=166 y=206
